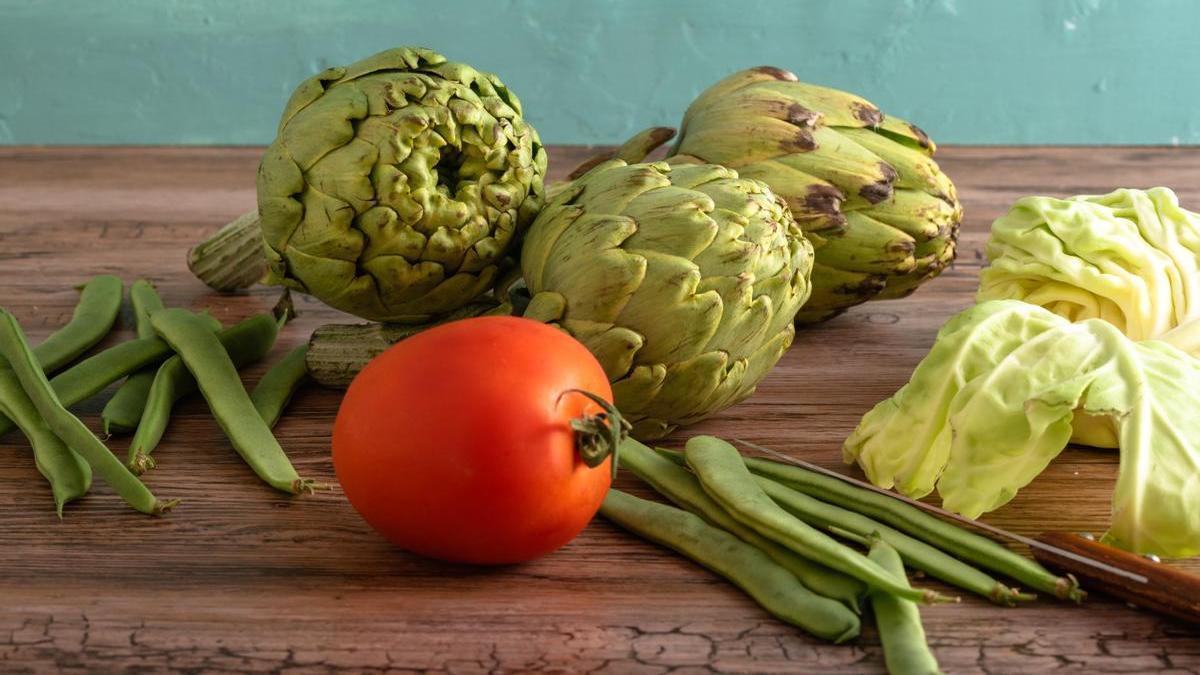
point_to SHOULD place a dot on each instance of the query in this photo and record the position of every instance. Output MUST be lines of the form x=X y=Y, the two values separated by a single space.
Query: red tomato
x=455 y=443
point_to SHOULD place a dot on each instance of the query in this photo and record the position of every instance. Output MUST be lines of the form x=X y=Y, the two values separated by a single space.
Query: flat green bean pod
x=768 y=583
x=245 y=342
x=66 y=426
x=680 y=486
x=218 y=380
x=94 y=316
x=951 y=538
x=916 y=553
x=276 y=388
x=124 y=409
x=69 y=476
x=726 y=479
x=899 y=621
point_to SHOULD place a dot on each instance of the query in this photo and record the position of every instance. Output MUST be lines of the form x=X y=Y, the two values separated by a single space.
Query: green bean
x=245 y=343
x=899 y=621
x=275 y=389
x=951 y=538
x=66 y=426
x=915 y=552
x=69 y=476
x=94 y=316
x=217 y=378
x=124 y=409
x=725 y=478
x=680 y=486
x=769 y=584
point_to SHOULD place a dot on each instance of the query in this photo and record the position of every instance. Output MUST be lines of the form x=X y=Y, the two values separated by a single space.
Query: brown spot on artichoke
x=777 y=73
x=869 y=114
x=801 y=141
x=881 y=190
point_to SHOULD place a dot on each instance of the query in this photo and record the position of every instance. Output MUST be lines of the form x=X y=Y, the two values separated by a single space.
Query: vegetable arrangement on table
x=529 y=334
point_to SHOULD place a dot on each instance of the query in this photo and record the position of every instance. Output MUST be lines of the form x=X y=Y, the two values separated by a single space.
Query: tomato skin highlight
x=456 y=443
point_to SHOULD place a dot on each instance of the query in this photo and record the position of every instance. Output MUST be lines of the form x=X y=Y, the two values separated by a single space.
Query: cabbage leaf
x=993 y=404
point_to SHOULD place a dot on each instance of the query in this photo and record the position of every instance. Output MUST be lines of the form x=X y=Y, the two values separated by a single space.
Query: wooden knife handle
x=1168 y=590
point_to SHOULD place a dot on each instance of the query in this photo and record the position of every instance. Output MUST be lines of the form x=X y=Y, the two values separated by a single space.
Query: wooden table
x=240 y=578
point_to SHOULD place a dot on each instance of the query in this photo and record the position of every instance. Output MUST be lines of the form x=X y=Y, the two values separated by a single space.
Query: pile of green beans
x=68 y=428
x=66 y=452
x=795 y=518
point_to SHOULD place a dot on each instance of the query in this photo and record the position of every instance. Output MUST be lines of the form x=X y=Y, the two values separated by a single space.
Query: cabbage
x=993 y=403
x=1131 y=258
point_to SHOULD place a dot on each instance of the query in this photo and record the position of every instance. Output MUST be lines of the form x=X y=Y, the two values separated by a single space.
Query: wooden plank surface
x=242 y=579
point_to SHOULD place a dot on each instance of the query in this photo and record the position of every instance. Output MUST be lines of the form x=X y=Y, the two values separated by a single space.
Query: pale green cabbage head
x=1131 y=258
x=993 y=403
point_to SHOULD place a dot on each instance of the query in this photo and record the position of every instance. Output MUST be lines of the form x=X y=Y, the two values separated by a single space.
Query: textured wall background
x=594 y=71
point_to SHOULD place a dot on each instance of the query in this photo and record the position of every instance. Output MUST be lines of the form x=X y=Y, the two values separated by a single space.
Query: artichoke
x=395 y=190
x=881 y=215
x=683 y=280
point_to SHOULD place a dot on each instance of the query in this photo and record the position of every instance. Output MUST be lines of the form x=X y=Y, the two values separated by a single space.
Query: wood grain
x=242 y=579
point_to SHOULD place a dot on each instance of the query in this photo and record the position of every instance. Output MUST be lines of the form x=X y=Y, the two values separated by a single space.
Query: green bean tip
x=308 y=485
x=161 y=506
x=141 y=463
x=1067 y=588
x=932 y=597
x=1009 y=596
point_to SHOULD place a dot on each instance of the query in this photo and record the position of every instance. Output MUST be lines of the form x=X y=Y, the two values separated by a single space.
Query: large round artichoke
x=394 y=190
x=683 y=281
x=881 y=215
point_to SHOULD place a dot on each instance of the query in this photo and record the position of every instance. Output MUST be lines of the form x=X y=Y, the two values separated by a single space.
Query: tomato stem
x=597 y=436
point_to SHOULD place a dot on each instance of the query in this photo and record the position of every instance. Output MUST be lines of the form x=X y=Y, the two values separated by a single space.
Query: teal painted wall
x=594 y=71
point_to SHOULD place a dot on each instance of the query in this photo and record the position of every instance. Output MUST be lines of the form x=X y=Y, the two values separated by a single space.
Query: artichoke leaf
x=677 y=315
x=918 y=214
x=815 y=203
x=737 y=139
x=837 y=108
x=863 y=177
x=870 y=246
x=914 y=170
x=906 y=133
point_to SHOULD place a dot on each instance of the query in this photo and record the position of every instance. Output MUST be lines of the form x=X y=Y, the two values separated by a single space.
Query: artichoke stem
x=336 y=352
x=231 y=259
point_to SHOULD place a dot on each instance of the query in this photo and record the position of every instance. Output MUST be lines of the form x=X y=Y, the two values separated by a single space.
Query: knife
x=1140 y=580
